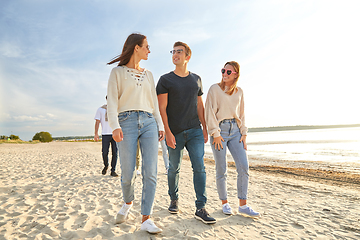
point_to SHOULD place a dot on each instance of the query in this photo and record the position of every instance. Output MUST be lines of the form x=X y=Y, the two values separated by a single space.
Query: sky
x=299 y=59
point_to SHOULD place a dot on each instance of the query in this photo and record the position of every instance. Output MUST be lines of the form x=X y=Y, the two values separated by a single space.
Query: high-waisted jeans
x=139 y=125
x=230 y=132
x=193 y=140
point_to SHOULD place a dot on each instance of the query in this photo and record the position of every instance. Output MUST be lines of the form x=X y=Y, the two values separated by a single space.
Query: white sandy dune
x=56 y=191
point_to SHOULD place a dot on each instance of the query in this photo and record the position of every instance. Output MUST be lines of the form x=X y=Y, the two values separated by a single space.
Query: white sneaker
x=138 y=172
x=123 y=213
x=227 y=209
x=249 y=212
x=150 y=227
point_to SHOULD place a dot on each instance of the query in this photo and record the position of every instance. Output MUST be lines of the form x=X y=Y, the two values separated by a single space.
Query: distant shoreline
x=300 y=127
x=256 y=129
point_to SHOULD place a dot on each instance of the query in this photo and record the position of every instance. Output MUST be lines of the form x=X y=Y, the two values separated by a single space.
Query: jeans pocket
x=149 y=115
x=123 y=116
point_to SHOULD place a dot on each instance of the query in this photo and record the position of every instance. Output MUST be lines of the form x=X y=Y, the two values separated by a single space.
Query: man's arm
x=200 y=111
x=163 y=101
x=97 y=123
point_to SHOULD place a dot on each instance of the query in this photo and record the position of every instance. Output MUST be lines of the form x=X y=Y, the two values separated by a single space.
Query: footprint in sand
x=80 y=221
x=297 y=225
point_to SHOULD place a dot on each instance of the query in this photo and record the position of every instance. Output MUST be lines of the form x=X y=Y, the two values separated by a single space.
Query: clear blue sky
x=299 y=59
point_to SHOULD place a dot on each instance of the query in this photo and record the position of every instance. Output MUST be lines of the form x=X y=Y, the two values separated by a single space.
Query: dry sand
x=56 y=191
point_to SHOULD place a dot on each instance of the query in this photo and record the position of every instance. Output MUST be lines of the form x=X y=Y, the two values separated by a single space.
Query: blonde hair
x=232 y=88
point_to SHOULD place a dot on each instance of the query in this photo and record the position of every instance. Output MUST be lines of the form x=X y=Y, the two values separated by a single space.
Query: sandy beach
x=56 y=191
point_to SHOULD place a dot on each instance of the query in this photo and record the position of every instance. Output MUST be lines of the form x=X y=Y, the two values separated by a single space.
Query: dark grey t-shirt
x=182 y=100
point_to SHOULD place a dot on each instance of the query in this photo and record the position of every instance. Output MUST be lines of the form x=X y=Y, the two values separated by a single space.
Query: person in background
x=133 y=113
x=182 y=111
x=225 y=118
x=137 y=165
x=165 y=155
x=107 y=140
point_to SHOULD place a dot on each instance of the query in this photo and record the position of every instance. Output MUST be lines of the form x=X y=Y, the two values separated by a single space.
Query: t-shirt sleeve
x=97 y=115
x=161 y=87
x=200 y=92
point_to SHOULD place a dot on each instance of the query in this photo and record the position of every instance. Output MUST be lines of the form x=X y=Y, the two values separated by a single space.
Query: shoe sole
x=206 y=222
x=159 y=231
x=173 y=212
x=227 y=213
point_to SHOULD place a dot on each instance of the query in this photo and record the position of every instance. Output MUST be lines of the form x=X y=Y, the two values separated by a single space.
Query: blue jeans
x=193 y=140
x=106 y=141
x=230 y=132
x=139 y=125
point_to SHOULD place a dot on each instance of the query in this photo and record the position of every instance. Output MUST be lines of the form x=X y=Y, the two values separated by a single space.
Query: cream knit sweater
x=129 y=89
x=220 y=106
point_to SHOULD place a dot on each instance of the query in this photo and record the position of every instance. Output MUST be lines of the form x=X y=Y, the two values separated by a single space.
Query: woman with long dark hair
x=225 y=119
x=133 y=114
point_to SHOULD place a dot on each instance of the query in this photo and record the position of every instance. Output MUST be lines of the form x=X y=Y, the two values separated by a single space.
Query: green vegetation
x=75 y=138
x=11 y=137
x=42 y=137
x=18 y=141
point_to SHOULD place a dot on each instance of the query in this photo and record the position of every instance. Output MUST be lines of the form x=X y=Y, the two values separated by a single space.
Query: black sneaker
x=104 y=170
x=114 y=174
x=174 y=209
x=203 y=215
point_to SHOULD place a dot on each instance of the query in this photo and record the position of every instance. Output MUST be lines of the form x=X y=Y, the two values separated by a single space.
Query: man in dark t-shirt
x=182 y=100
x=182 y=111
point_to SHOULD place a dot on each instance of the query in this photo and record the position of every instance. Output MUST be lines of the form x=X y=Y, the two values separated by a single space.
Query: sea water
x=337 y=145
x=328 y=149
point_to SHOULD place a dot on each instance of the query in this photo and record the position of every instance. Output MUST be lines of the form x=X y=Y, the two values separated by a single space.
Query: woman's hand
x=117 y=135
x=243 y=139
x=217 y=141
x=161 y=135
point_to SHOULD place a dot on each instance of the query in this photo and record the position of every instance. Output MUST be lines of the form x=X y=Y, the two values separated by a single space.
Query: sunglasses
x=176 y=51
x=228 y=71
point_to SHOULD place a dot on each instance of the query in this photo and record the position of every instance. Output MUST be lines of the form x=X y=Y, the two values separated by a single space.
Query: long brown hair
x=232 y=88
x=128 y=49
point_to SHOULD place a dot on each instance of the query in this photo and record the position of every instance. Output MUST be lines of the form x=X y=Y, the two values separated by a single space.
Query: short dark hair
x=187 y=48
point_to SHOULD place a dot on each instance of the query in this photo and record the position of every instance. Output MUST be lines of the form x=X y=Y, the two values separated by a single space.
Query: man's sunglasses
x=176 y=51
x=228 y=71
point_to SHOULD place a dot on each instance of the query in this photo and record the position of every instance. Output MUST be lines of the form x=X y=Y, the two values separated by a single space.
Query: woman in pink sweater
x=225 y=120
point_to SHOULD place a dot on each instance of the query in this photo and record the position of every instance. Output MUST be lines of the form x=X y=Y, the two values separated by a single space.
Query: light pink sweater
x=220 y=106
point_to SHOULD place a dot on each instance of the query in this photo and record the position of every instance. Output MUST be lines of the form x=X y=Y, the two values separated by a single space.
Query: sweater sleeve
x=243 y=128
x=112 y=99
x=156 y=112
x=210 y=114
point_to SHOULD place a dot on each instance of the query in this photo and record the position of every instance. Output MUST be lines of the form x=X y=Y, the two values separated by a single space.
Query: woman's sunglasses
x=228 y=71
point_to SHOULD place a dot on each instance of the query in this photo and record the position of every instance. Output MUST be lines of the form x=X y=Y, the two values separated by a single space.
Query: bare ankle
x=145 y=217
